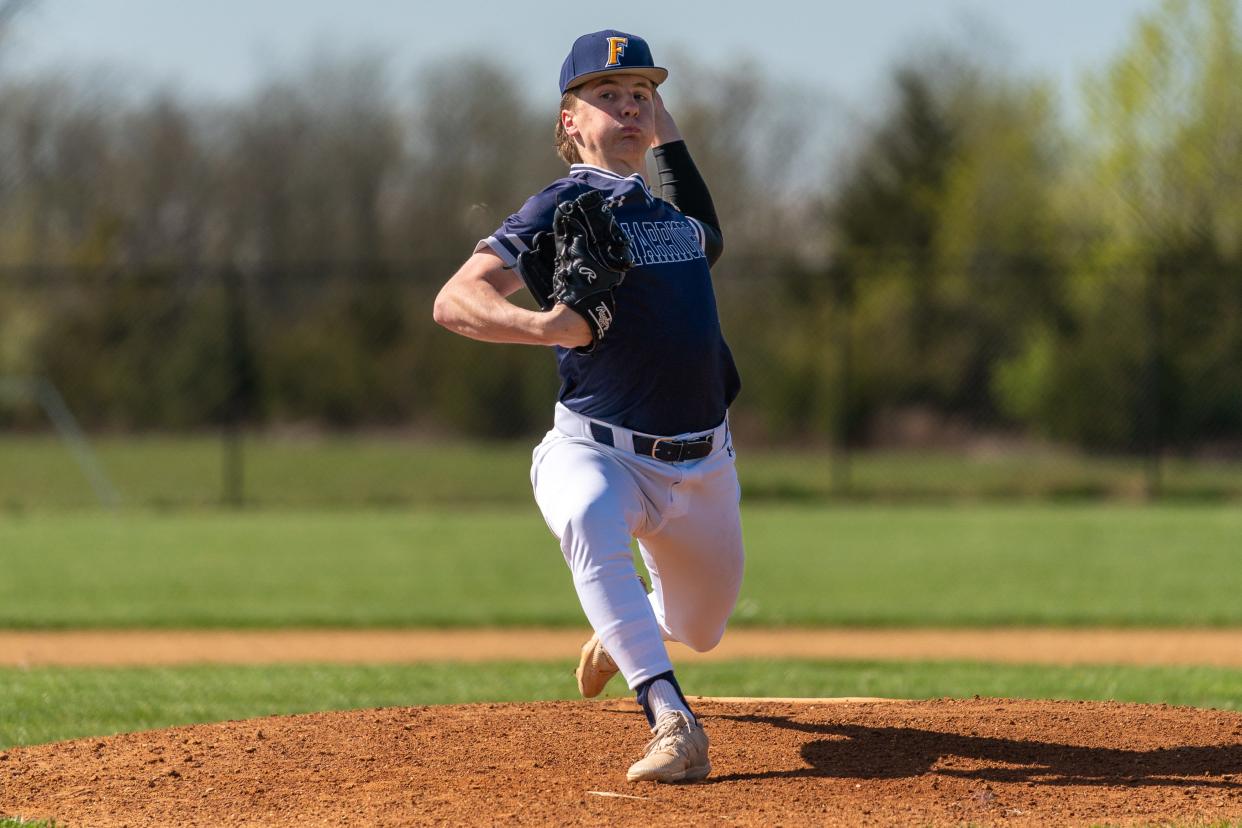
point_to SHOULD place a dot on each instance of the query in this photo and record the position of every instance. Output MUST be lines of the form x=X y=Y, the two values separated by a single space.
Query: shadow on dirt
x=864 y=752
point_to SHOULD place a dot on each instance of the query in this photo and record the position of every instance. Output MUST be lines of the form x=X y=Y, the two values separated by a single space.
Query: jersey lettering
x=670 y=241
x=683 y=230
x=646 y=254
x=690 y=238
x=653 y=235
x=662 y=242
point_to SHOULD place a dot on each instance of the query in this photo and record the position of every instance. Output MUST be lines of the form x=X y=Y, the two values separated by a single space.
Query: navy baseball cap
x=606 y=52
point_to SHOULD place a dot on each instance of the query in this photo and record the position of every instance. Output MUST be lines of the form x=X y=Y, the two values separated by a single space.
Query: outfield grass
x=180 y=472
x=862 y=565
x=49 y=704
x=377 y=471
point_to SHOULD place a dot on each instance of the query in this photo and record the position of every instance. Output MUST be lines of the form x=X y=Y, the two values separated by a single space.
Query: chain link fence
x=872 y=378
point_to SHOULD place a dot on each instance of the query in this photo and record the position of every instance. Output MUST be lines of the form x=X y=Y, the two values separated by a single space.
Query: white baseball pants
x=596 y=498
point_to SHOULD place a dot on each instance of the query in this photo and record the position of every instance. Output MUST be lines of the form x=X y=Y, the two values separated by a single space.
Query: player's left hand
x=666 y=130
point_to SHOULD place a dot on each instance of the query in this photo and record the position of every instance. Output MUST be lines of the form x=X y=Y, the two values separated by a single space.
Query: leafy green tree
x=944 y=239
x=1152 y=355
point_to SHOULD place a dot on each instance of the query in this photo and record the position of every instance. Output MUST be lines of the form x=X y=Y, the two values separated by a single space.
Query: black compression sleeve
x=682 y=185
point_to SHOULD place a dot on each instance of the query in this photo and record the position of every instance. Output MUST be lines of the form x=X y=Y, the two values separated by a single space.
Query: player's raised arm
x=473 y=303
x=681 y=183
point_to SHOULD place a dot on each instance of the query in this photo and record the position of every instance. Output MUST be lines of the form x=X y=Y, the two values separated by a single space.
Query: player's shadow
x=856 y=751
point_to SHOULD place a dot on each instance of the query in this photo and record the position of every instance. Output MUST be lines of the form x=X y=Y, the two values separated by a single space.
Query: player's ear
x=569 y=106
x=567 y=123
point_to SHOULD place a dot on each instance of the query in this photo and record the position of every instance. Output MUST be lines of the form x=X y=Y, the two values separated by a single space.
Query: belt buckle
x=655 y=447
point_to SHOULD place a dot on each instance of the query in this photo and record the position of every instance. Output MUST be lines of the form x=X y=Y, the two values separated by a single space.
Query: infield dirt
x=942 y=762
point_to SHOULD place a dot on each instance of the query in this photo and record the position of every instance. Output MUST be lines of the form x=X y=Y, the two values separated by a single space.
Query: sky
x=844 y=48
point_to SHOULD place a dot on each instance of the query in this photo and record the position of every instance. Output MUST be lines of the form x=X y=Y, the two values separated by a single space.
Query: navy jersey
x=664 y=367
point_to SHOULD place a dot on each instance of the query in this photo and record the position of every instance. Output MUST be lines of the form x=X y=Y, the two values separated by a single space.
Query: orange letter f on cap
x=616 y=48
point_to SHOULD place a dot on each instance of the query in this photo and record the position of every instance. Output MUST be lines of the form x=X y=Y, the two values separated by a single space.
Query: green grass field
x=376 y=471
x=877 y=565
x=50 y=704
x=389 y=533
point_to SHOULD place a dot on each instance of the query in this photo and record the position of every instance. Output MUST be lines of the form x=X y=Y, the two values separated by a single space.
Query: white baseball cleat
x=677 y=752
x=595 y=668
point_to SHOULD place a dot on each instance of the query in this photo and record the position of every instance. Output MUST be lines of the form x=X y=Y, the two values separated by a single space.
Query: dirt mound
x=984 y=761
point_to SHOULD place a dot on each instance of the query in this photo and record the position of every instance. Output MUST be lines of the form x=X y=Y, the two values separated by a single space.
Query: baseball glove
x=591 y=257
x=536 y=266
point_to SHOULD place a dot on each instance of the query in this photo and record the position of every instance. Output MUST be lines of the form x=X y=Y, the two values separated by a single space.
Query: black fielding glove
x=536 y=267
x=592 y=256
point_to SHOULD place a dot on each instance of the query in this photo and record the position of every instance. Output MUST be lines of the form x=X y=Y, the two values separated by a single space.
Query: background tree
x=968 y=261
x=1157 y=299
x=942 y=233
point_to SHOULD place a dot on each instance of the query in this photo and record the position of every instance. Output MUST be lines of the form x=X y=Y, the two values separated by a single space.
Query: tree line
x=972 y=252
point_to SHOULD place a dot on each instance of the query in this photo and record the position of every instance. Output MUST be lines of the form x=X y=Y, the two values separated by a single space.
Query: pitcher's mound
x=984 y=761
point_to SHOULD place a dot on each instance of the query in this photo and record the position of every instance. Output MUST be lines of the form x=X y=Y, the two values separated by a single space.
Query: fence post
x=841 y=279
x=1153 y=433
x=240 y=394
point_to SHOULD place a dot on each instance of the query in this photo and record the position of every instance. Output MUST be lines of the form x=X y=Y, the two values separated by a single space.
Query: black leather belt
x=660 y=448
x=673 y=451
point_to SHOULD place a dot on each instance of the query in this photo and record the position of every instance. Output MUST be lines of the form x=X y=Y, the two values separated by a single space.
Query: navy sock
x=645 y=687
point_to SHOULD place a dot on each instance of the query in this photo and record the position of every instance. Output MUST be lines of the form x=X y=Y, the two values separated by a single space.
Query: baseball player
x=640 y=446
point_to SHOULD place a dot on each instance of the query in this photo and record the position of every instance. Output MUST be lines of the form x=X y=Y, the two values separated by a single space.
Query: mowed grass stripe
x=348 y=471
x=979 y=566
x=50 y=704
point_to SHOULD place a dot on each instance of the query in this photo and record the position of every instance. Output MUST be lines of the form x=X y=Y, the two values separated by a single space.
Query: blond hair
x=565 y=146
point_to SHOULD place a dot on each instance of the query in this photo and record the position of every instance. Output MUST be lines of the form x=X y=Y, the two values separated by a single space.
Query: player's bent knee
x=702 y=639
